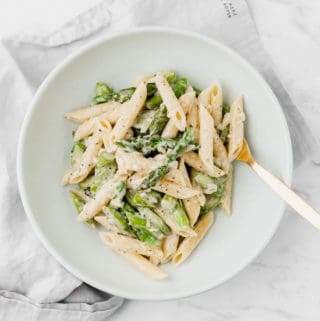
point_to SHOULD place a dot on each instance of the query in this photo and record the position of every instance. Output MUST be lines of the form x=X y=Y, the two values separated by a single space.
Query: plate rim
x=22 y=136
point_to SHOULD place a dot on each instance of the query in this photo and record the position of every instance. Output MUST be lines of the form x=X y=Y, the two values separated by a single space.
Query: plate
x=45 y=143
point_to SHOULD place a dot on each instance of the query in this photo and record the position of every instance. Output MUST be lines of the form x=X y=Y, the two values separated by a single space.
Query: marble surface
x=283 y=282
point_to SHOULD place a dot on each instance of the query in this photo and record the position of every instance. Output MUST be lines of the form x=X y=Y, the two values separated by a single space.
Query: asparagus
x=224 y=134
x=118 y=220
x=105 y=168
x=211 y=203
x=186 y=141
x=149 y=199
x=159 y=121
x=197 y=91
x=211 y=185
x=154 y=221
x=139 y=225
x=77 y=150
x=170 y=75
x=120 y=191
x=78 y=204
x=174 y=207
x=103 y=93
x=124 y=95
x=153 y=102
x=151 y=89
x=147 y=144
x=225 y=108
x=180 y=87
x=154 y=177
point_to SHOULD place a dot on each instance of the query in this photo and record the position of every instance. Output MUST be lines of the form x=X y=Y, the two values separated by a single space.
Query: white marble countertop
x=283 y=282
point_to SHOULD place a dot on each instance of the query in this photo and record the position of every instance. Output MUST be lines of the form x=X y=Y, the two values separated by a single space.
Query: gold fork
x=294 y=200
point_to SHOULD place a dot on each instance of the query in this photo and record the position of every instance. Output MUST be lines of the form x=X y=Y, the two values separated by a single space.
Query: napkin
x=33 y=285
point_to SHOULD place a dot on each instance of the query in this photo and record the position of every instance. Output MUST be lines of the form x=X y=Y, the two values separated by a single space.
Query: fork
x=294 y=200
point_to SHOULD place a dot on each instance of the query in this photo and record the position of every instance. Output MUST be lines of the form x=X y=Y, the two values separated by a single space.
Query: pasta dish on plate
x=151 y=162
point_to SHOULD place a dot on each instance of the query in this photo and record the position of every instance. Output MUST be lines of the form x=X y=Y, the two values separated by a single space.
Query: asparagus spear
x=159 y=121
x=186 y=141
x=140 y=225
x=147 y=144
x=120 y=191
x=78 y=204
x=170 y=75
x=118 y=220
x=155 y=222
x=153 y=102
x=151 y=89
x=77 y=150
x=148 y=199
x=180 y=87
x=174 y=207
x=103 y=93
x=211 y=185
x=154 y=177
x=105 y=168
x=124 y=95
x=225 y=108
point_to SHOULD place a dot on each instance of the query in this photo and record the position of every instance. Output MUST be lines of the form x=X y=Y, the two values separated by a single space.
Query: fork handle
x=294 y=200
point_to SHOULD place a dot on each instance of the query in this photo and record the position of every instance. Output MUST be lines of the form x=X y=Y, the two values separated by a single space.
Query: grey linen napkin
x=32 y=281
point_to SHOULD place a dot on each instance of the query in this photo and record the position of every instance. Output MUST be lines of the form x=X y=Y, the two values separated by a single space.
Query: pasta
x=150 y=163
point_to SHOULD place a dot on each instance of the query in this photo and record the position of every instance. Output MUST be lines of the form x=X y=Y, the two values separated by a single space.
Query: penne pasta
x=144 y=265
x=206 y=138
x=187 y=101
x=83 y=167
x=169 y=247
x=134 y=161
x=102 y=198
x=220 y=153
x=193 y=160
x=188 y=245
x=191 y=204
x=175 y=111
x=174 y=190
x=130 y=112
x=111 y=109
x=142 y=79
x=225 y=204
x=236 y=133
x=128 y=244
x=212 y=99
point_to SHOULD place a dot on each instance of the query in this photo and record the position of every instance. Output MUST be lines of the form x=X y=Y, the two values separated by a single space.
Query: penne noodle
x=142 y=79
x=190 y=243
x=111 y=109
x=191 y=204
x=174 y=190
x=130 y=113
x=212 y=99
x=128 y=244
x=169 y=247
x=102 y=198
x=81 y=194
x=193 y=121
x=144 y=265
x=134 y=161
x=193 y=160
x=225 y=203
x=201 y=197
x=220 y=153
x=83 y=167
x=175 y=111
x=206 y=138
x=236 y=133
x=187 y=100
x=103 y=220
